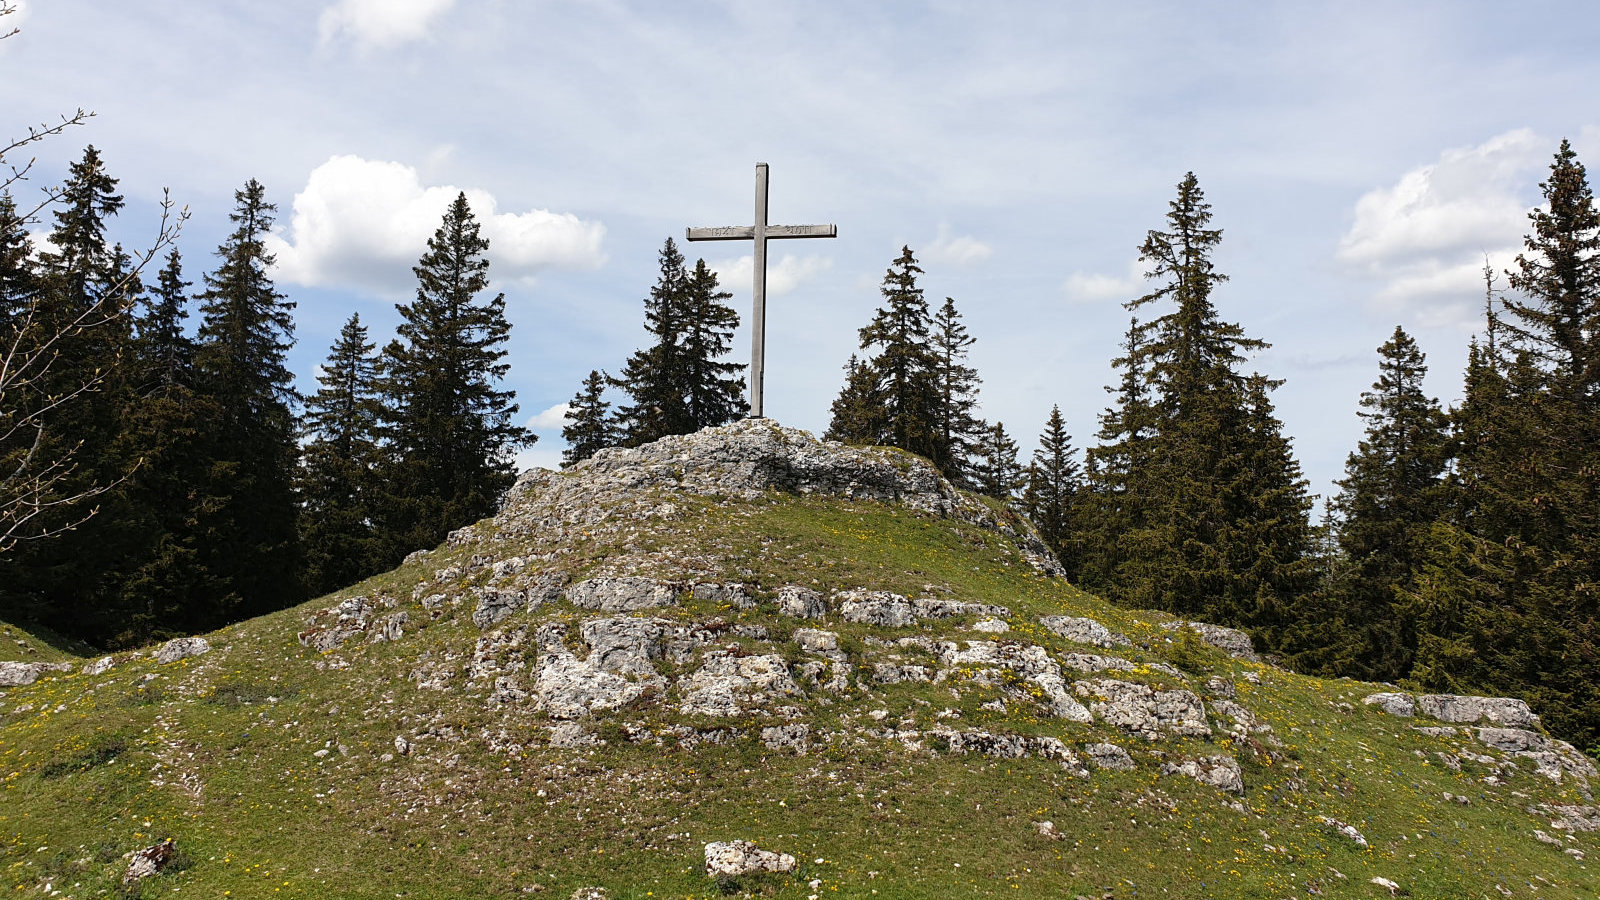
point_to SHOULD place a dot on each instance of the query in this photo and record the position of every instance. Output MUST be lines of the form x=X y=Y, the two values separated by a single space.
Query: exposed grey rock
x=1466 y=710
x=1513 y=740
x=391 y=628
x=496 y=604
x=100 y=666
x=17 y=674
x=1244 y=721
x=1437 y=731
x=1392 y=703
x=991 y=626
x=181 y=648
x=332 y=627
x=622 y=594
x=934 y=608
x=880 y=608
x=1085 y=631
x=1028 y=660
x=1142 y=710
x=800 y=602
x=589 y=893
x=1348 y=831
x=725 y=684
x=1221 y=687
x=812 y=640
x=623 y=645
x=733 y=594
x=1231 y=641
x=895 y=673
x=571 y=735
x=570 y=688
x=1220 y=772
x=792 y=738
x=735 y=858
x=1089 y=662
x=745 y=459
x=1108 y=756
x=147 y=862
x=1572 y=818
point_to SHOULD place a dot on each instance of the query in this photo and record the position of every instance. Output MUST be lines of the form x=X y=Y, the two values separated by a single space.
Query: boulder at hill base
x=748 y=662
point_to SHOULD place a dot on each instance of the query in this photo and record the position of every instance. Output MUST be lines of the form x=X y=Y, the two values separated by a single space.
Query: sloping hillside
x=747 y=634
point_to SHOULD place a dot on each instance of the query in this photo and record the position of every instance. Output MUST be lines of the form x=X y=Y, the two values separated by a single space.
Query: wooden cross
x=760 y=232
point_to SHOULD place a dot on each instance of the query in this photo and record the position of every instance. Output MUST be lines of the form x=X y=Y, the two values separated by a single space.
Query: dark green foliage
x=679 y=384
x=1509 y=598
x=1051 y=491
x=70 y=412
x=1391 y=494
x=18 y=281
x=589 y=427
x=1200 y=508
x=164 y=587
x=713 y=392
x=857 y=413
x=653 y=377
x=995 y=470
x=905 y=364
x=959 y=428
x=449 y=431
x=338 y=465
x=249 y=542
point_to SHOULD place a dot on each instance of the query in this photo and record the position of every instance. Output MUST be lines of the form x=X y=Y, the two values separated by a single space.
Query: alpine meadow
x=1176 y=475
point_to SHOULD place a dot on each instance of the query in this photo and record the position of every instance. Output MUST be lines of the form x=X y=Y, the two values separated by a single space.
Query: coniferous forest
x=162 y=475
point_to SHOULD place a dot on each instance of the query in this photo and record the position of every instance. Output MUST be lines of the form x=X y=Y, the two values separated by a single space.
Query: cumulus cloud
x=962 y=250
x=1098 y=287
x=789 y=273
x=380 y=23
x=362 y=224
x=1426 y=237
x=552 y=418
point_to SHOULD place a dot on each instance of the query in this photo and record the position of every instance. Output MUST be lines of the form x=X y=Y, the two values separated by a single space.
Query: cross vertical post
x=759 y=233
x=758 y=314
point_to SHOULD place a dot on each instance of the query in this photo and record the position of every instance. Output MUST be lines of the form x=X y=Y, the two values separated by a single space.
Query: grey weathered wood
x=759 y=233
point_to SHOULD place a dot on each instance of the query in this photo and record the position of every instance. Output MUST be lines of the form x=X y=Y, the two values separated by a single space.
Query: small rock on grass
x=735 y=858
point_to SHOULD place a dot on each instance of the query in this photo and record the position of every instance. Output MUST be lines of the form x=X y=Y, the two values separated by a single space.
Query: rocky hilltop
x=749 y=661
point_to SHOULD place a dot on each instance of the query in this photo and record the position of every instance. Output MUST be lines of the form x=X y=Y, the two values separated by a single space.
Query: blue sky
x=1362 y=158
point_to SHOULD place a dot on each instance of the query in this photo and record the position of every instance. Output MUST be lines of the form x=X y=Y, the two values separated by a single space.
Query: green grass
x=219 y=753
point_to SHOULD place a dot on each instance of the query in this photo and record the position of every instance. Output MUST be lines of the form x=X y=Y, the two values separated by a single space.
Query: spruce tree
x=251 y=548
x=995 y=470
x=84 y=286
x=166 y=588
x=18 y=280
x=654 y=377
x=1391 y=494
x=1508 y=599
x=713 y=392
x=339 y=463
x=589 y=427
x=449 y=427
x=1218 y=528
x=1115 y=499
x=958 y=427
x=1051 y=492
x=857 y=413
x=905 y=363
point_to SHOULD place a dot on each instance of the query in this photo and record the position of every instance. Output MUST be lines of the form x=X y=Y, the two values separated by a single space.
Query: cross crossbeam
x=759 y=234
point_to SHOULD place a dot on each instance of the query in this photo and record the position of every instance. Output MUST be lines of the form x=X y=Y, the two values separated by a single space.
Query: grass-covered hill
x=747 y=634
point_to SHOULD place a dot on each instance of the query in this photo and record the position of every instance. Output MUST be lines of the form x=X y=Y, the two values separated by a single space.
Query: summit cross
x=760 y=233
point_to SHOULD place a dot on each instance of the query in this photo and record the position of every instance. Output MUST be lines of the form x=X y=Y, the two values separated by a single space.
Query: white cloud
x=363 y=224
x=790 y=272
x=1426 y=237
x=380 y=23
x=552 y=418
x=539 y=456
x=1098 y=287
x=963 y=250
